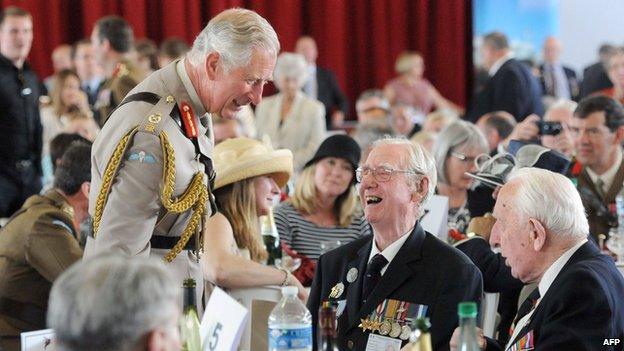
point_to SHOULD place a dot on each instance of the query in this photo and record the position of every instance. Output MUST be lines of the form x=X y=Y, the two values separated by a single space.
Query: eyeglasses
x=381 y=174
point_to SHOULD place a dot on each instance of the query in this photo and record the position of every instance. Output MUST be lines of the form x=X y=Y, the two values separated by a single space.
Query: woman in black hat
x=324 y=208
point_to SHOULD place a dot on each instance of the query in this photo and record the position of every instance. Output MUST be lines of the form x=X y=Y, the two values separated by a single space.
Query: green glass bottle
x=189 y=328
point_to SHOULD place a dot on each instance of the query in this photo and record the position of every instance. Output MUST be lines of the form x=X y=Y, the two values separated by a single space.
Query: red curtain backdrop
x=358 y=39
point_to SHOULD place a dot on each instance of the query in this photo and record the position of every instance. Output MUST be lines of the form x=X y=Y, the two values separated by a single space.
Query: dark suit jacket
x=573 y=83
x=582 y=307
x=600 y=211
x=595 y=78
x=329 y=93
x=513 y=89
x=425 y=271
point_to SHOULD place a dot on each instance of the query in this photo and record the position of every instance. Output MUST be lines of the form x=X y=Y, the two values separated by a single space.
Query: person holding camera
x=555 y=129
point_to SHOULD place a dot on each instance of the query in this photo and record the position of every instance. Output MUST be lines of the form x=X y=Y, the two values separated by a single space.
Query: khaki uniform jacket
x=134 y=211
x=125 y=77
x=36 y=246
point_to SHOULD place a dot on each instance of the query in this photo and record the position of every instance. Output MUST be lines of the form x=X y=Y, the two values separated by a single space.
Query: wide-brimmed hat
x=339 y=146
x=241 y=158
x=494 y=171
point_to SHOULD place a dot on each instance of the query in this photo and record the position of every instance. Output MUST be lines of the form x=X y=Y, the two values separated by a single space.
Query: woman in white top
x=249 y=175
x=290 y=118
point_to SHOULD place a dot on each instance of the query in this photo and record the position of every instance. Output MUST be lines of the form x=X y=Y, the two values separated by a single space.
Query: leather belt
x=23 y=311
x=168 y=242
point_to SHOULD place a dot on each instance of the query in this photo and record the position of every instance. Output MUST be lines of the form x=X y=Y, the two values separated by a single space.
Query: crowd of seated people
x=348 y=199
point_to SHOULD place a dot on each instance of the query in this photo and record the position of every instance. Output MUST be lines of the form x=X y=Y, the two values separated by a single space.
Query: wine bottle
x=270 y=237
x=327 y=327
x=189 y=329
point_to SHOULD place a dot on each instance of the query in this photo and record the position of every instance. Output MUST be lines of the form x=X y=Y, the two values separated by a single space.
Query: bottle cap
x=467 y=309
x=289 y=290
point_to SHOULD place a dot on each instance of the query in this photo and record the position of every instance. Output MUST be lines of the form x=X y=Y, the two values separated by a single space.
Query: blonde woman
x=411 y=88
x=249 y=175
x=324 y=206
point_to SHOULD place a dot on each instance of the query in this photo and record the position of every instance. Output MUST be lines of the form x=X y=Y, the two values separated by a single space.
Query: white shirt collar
x=553 y=271
x=608 y=176
x=390 y=251
x=497 y=65
x=198 y=107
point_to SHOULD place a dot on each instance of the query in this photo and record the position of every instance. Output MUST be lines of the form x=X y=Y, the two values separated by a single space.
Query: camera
x=549 y=128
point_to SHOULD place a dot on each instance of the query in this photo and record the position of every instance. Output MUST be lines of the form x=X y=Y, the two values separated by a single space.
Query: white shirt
x=390 y=251
x=311 y=85
x=547 y=279
x=608 y=176
x=497 y=65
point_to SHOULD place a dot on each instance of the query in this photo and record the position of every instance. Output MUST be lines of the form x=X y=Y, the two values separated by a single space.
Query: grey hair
x=109 y=303
x=290 y=65
x=552 y=199
x=234 y=34
x=419 y=160
x=561 y=104
x=459 y=134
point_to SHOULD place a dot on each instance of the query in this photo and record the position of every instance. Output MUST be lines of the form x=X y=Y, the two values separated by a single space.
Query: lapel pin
x=336 y=291
x=352 y=275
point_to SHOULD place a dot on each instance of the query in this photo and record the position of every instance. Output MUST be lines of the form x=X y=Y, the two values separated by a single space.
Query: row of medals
x=387 y=327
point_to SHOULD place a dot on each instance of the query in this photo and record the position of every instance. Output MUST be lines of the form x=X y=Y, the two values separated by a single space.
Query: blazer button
x=350 y=344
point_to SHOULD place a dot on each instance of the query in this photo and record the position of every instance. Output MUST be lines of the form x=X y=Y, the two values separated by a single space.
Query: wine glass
x=288 y=263
x=615 y=244
x=329 y=245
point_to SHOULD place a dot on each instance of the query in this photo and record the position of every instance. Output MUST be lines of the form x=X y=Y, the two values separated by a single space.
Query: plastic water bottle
x=467 y=312
x=290 y=324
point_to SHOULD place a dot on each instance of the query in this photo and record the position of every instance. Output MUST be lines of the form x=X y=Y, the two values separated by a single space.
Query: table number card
x=223 y=323
x=38 y=340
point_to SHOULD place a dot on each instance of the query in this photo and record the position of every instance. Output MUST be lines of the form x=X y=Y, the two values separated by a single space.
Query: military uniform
x=124 y=78
x=36 y=246
x=142 y=161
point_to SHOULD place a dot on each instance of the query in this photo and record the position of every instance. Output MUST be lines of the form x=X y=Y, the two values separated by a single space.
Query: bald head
x=552 y=50
x=306 y=46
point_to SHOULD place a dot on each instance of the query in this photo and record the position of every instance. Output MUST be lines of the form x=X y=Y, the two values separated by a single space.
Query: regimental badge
x=142 y=157
x=336 y=291
x=352 y=275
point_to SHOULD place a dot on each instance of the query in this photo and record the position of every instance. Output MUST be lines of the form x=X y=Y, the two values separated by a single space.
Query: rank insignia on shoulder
x=336 y=291
x=142 y=157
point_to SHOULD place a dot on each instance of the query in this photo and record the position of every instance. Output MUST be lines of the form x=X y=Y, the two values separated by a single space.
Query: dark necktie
x=373 y=275
x=527 y=306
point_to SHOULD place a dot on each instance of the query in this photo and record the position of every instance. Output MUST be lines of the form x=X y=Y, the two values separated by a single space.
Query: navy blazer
x=425 y=271
x=583 y=306
x=329 y=93
x=573 y=83
x=513 y=89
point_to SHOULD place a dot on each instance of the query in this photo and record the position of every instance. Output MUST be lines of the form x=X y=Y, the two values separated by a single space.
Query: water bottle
x=467 y=312
x=290 y=324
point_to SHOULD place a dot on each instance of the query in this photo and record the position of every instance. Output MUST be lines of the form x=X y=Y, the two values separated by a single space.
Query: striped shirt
x=306 y=237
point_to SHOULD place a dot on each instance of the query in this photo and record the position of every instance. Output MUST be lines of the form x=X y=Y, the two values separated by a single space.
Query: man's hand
x=525 y=130
x=455 y=339
x=337 y=118
x=482 y=226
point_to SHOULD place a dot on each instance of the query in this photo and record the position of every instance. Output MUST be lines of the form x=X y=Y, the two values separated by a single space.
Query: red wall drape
x=358 y=39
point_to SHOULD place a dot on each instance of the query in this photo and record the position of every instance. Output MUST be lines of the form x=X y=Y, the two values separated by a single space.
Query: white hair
x=561 y=104
x=290 y=65
x=109 y=303
x=419 y=160
x=234 y=34
x=552 y=199
x=459 y=134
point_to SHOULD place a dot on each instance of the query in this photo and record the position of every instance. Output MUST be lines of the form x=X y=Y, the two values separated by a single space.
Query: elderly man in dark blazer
x=511 y=87
x=541 y=229
x=382 y=283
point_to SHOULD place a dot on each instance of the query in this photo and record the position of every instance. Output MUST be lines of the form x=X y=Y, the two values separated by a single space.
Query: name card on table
x=38 y=340
x=223 y=322
x=435 y=219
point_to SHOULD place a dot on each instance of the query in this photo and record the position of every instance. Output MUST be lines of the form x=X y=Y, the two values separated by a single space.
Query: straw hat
x=241 y=158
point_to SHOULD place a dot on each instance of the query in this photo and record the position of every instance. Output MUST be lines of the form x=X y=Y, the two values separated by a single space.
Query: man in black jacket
x=384 y=282
x=511 y=87
x=322 y=85
x=20 y=126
